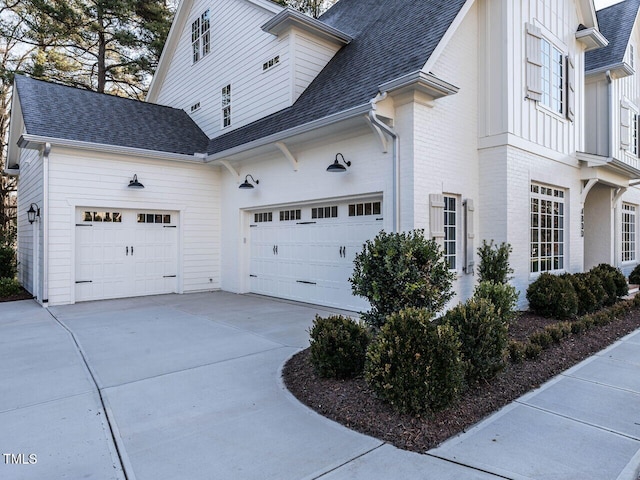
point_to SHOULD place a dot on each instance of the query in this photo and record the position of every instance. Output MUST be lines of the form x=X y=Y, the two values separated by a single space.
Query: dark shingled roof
x=391 y=38
x=615 y=23
x=57 y=111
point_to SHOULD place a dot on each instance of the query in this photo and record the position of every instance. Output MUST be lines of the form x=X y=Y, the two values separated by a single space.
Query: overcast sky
x=605 y=3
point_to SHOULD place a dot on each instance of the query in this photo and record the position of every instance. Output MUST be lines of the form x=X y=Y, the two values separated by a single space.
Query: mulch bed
x=23 y=295
x=353 y=404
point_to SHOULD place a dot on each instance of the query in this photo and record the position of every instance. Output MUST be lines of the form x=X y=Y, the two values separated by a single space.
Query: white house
x=611 y=163
x=464 y=118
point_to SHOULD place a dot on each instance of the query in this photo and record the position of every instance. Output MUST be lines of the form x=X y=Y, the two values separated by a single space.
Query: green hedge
x=415 y=364
x=338 y=346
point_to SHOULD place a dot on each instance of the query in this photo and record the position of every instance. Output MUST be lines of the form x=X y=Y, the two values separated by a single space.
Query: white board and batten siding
x=505 y=110
x=240 y=46
x=189 y=193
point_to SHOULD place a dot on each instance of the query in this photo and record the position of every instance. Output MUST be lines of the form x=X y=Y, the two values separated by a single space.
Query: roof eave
x=609 y=163
x=591 y=38
x=618 y=70
x=425 y=82
x=289 y=17
x=285 y=134
x=36 y=141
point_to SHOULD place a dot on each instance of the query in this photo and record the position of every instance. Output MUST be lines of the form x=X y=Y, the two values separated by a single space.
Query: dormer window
x=201 y=36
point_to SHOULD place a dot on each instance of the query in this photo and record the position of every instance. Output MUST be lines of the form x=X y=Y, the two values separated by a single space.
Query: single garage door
x=306 y=253
x=125 y=253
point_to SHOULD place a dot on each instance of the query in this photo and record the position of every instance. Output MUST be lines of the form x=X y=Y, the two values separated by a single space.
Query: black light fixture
x=337 y=167
x=134 y=183
x=32 y=213
x=246 y=184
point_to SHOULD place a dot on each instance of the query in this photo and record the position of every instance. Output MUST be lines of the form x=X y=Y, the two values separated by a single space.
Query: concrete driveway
x=188 y=387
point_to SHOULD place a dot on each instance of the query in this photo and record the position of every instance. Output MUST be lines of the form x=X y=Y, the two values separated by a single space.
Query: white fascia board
x=285 y=134
x=289 y=17
x=618 y=70
x=610 y=163
x=16 y=127
x=177 y=26
x=591 y=38
x=35 y=142
x=588 y=10
x=425 y=82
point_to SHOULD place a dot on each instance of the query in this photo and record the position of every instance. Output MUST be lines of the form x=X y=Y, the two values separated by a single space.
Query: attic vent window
x=201 y=36
x=195 y=106
x=271 y=63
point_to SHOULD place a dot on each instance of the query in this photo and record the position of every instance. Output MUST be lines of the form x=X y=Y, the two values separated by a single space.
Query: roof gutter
x=396 y=154
x=36 y=141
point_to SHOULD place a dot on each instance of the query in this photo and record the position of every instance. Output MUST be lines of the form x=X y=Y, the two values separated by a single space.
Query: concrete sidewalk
x=191 y=388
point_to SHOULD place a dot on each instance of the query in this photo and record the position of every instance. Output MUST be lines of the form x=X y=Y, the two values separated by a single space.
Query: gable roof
x=391 y=39
x=616 y=24
x=60 y=112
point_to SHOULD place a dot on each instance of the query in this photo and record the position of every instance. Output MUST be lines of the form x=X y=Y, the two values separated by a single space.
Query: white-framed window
x=628 y=232
x=450 y=231
x=271 y=63
x=632 y=57
x=201 y=36
x=553 y=77
x=226 y=106
x=547 y=229
x=635 y=123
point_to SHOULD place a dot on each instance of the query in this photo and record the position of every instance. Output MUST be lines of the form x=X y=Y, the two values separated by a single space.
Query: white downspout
x=45 y=225
x=396 y=157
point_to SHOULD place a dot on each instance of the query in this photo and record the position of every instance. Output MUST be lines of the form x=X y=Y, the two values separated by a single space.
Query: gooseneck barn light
x=134 y=183
x=337 y=167
x=246 y=185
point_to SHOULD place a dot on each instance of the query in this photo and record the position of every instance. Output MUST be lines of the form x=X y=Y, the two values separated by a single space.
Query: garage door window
x=288 y=215
x=263 y=217
x=324 y=212
x=112 y=217
x=364 y=209
x=153 y=218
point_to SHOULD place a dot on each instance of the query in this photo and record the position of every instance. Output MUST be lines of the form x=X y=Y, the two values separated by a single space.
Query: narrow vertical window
x=633 y=146
x=201 y=36
x=547 y=229
x=226 y=106
x=450 y=238
x=628 y=232
x=553 y=77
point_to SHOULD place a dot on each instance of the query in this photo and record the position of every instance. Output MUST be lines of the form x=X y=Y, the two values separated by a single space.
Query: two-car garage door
x=125 y=253
x=306 y=253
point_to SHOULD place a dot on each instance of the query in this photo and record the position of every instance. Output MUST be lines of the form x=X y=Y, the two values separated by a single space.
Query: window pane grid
x=552 y=77
x=450 y=241
x=547 y=229
x=628 y=232
x=201 y=36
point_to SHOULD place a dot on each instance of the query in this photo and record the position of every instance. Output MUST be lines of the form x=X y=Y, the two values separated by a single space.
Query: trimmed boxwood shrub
x=588 y=287
x=613 y=281
x=552 y=296
x=503 y=296
x=338 y=346
x=9 y=286
x=400 y=270
x=483 y=336
x=494 y=262
x=414 y=363
x=7 y=262
x=634 y=277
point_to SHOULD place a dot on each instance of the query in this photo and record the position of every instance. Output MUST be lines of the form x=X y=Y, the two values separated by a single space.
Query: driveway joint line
x=574 y=376
x=51 y=400
x=573 y=419
x=470 y=467
x=323 y=474
x=102 y=402
x=219 y=362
